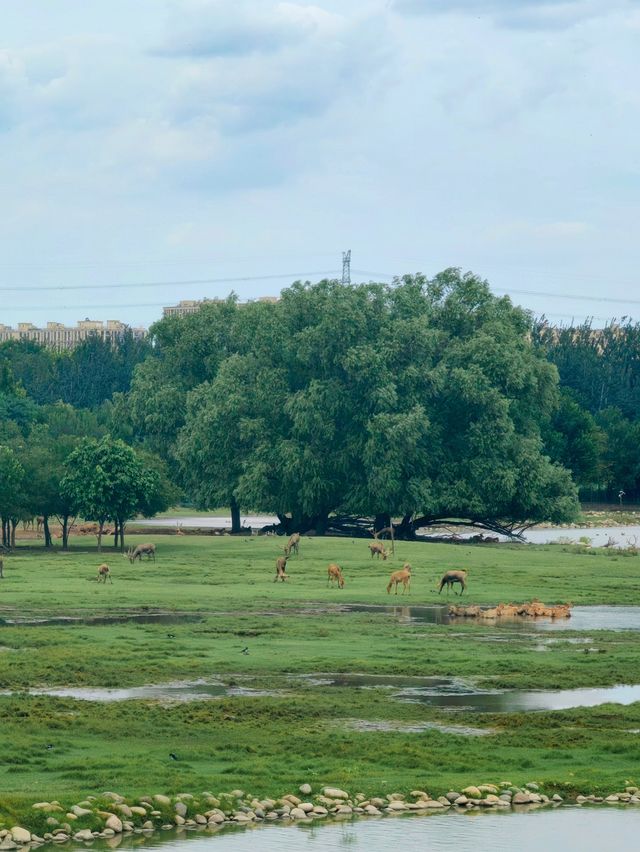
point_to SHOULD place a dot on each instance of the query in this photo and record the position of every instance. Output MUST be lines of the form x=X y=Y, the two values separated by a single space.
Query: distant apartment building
x=56 y=335
x=190 y=306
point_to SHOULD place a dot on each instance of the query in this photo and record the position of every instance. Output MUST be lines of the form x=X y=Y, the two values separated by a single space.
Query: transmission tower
x=346 y=267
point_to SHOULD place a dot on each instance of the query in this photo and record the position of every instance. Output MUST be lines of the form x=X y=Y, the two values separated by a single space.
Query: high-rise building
x=56 y=335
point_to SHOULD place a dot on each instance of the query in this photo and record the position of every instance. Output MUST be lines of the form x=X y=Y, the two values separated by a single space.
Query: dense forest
x=420 y=400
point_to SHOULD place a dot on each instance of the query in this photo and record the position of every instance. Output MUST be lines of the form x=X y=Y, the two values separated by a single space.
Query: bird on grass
x=171 y=635
x=245 y=651
x=173 y=756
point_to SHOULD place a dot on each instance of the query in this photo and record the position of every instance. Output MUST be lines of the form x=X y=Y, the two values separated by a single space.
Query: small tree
x=11 y=496
x=107 y=480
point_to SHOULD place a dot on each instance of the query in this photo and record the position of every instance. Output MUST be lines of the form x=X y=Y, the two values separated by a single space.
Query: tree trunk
x=381 y=521
x=47 y=532
x=116 y=534
x=14 y=524
x=65 y=532
x=235 y=517
x=121 y=524
x=101 y=525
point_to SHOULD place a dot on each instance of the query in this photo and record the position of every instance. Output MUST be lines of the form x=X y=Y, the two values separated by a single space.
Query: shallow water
x=570 y=829
x=102 y=620
x=197 y=690
x=516 y=701
x=582 y=617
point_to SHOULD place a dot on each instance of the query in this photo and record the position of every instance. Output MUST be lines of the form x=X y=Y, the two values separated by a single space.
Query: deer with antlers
x=377 y=549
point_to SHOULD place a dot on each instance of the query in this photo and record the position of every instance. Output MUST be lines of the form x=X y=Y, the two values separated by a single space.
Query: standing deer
x=452 y=577
x=334 y=573
x=104 y=574
x=403 y=577
x=293 y=544
x=377 y=549
x=142 y=549
x=281 y=569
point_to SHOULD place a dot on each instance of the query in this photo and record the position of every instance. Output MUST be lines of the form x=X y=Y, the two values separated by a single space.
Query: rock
x=83 y=834
x=557 y=798
x=237 y=794
x=377 y=803
x=334 y=793
x=631 y=790
x=472 y=792
x=318 y=810
x=521 y=799
x=199 y=818
x=611 y=798
x=371 y=810
x=115 y=797
x=396 y=806
x=461 y=800
x=20 y=835
x=114 y=823
x=307 y=807
x=149 y=826
x=451 y=796
x=125 y=810
x=581 y=799
x=179 y=820
x=305 y=789
x=140 y=811
x=107 y=832
x=52 y=822
x=488 y=788
x=297 y=813
x=271 y=815
x=433 y=805
x=8 y=843
x=419 y=794
x=80 y=811
x=180 y=808
x=165 y=801
x=532 y=786
x=344 y=809
x=240 y=816
x=216 y=819
x=396 y=797
x=293 y=800
x=489 y=801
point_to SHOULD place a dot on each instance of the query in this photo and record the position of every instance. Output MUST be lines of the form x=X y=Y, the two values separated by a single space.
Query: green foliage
x=421 y=399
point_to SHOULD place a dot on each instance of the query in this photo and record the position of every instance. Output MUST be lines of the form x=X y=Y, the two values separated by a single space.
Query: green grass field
x=267 y=744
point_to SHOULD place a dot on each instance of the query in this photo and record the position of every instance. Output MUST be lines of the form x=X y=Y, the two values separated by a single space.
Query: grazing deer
x=452 y=577
x=377 y=549
x=104 y=574
x=403 y=577
x=334 y=572
x=281 y=569
x=293 y=544
x=142 y=549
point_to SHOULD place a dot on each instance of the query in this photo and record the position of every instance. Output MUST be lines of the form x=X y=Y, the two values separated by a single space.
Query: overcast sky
x=179 y=140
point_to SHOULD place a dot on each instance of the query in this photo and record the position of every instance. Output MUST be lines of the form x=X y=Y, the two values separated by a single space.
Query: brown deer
x=148 y=550
x=334 y=572
x=403 y=576
x=452 y=577
x=377 y=549
x=281 y=569
x=293 y=545
x=104 y=573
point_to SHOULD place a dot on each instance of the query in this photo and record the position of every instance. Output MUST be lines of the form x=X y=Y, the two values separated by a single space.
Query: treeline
x=424 y=400
x=59 y=461
x=595 y=431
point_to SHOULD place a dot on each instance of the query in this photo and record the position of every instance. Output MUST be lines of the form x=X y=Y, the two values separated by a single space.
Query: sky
x=179 y=149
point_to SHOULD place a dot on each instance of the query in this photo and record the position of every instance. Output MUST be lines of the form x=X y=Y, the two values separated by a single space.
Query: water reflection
x=570 y=829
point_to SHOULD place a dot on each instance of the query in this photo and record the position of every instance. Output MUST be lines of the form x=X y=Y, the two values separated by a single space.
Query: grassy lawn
x=268 y=743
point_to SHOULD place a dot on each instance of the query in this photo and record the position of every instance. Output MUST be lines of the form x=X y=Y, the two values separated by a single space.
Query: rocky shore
x=110 y=815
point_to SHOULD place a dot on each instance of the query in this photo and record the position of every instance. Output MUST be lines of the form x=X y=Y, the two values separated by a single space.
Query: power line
x=509 y=290
x=182 y=283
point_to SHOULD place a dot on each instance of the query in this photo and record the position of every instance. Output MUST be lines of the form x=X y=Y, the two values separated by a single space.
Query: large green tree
x=424 y=399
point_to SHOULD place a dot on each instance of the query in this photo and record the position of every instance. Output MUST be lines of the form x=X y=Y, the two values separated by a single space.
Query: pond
x=459 y=694
x=582 y=617
x=571 y=829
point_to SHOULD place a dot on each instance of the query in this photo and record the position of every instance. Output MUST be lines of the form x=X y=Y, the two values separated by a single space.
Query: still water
x=570 y=829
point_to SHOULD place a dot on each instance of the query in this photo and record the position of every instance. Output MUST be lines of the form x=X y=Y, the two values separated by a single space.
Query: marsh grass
x=56 y=748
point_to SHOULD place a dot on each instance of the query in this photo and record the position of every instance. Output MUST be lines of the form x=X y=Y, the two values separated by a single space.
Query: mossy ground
x=63 y=749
